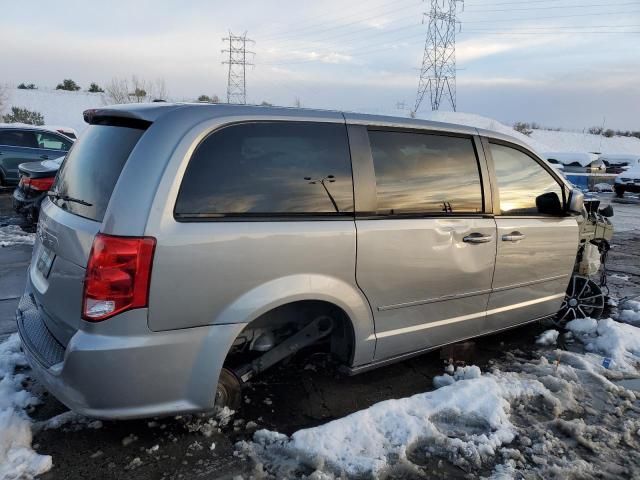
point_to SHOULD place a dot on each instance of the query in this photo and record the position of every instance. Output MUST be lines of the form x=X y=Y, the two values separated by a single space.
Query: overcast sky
x=565 y=63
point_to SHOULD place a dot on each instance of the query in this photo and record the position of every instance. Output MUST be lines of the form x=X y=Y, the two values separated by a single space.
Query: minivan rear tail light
x=117 y=276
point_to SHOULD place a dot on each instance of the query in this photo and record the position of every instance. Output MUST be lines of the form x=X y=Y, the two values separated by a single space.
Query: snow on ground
x=18 y=460
x=544 y=140
x=478 y=121
x=58 y=107
x=548 y=337
x=561 y=141
x=617 y=341
x=626 y=218
x=14 y=235
x=629 y=312
x=554 y=413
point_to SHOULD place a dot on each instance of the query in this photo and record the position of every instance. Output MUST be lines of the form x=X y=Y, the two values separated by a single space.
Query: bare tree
x=135 y=90
x=523 y=127
x=159 y=89
x=297 y=102
x=117 y=91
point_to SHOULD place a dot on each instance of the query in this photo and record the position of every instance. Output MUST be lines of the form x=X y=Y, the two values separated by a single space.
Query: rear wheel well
x=283 y=321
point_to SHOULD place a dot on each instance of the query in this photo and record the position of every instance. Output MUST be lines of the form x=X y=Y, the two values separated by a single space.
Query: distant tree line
x=527 y=128
x=139 y=90
x=610 y=132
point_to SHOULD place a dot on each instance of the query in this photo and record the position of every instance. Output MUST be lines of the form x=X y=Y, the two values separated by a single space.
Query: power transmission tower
x=438 y=71
x=237 y=80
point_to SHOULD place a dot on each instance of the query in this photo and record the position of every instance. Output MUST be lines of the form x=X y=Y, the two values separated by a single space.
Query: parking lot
x=285 y=400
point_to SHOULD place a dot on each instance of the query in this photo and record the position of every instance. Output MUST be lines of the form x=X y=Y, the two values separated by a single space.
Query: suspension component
x=319 y=328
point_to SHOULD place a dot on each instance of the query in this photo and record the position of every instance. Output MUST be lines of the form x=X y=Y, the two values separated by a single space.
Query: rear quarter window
x=269 y=168
x=91 y=169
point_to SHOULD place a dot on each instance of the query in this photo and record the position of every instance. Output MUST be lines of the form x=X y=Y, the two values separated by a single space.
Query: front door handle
x=44 y=157
x=513 y=237
x=477 y=238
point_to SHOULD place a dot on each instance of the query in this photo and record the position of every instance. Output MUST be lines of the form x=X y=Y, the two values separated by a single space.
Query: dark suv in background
x=26 y=143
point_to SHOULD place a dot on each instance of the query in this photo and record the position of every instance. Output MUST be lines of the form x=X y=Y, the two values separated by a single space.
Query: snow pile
x=58 y=107
x=461 y=373
x=17 y=458
x=549 y=414
x=582 y=158
x=468 y=420
x=14 y=235
x=560 y=141
x=618 y=341
x=548 y=337
x=478 y=121
x=629 y=312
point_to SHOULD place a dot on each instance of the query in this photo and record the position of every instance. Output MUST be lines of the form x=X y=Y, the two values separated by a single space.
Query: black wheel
x=228 y=392
x=619 y=191
x=584 y=298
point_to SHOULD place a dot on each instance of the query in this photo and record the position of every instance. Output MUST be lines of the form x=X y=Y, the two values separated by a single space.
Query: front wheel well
x=281 y=322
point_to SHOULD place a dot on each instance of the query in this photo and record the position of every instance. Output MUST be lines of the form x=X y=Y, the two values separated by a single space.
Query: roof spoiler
x=115 y=118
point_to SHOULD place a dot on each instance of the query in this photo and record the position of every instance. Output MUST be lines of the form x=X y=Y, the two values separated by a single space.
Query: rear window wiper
x=67 y=198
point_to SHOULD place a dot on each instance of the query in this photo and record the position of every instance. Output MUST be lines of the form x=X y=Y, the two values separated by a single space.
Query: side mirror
x=576 y=201
x=549 y=203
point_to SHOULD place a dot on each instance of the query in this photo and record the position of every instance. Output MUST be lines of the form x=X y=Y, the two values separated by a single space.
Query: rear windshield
x=89 y=173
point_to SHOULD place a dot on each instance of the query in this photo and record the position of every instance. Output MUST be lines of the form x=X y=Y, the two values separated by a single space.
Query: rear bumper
x=110 y=375
x=23 y=203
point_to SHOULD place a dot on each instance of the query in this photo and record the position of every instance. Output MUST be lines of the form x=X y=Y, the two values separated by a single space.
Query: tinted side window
x=52 y=142
x=18 y=138
x=424 y=173
x=522 y=181
x=269 y=168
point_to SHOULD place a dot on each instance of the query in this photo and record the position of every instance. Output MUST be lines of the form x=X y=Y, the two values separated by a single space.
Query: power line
x=574 y=15
x=485 y=32
x=387 y=32
x=377 y=47
x=236 y=78
x=297 y=32
x=343 y=25
x=357 y=13
x=553 y=7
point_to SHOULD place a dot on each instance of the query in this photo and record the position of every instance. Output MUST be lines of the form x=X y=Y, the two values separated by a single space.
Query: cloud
x=483 y=46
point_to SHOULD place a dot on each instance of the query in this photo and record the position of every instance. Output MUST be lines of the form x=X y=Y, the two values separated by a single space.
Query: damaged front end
x=587 y=293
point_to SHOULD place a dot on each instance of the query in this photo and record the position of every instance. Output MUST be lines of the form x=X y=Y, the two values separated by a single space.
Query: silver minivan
x=185 y=249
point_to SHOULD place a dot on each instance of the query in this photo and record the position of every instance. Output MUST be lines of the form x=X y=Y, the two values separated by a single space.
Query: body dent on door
x=426 y=286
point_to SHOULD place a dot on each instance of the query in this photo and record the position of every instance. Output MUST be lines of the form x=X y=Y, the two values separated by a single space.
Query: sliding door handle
x=513 y=237
x=477 y=238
